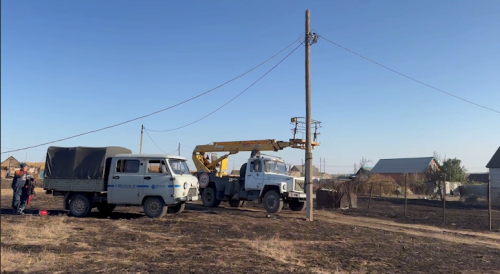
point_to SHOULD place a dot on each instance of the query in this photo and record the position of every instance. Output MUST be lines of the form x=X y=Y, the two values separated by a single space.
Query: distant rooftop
x=402 y=165
x=495 y=160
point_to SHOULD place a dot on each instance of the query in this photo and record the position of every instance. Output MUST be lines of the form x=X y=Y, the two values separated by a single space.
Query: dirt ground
x=247 y=240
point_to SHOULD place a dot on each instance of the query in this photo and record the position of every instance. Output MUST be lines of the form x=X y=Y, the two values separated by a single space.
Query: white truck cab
x=269 y=171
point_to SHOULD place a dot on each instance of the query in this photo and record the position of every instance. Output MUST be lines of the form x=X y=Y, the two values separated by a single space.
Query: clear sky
x=73 y=66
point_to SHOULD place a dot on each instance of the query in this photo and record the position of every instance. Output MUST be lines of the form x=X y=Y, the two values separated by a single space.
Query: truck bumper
x=187 y=199
x=298 y=195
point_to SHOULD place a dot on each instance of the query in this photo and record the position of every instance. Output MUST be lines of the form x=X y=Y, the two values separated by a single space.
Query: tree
x=454 y=172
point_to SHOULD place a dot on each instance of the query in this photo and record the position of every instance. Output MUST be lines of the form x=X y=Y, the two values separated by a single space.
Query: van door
x=126 y=181
x=254 y=175
x=157 y=178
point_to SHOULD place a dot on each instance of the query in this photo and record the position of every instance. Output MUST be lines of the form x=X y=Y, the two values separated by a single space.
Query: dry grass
x=29 y=245
x=226 y=240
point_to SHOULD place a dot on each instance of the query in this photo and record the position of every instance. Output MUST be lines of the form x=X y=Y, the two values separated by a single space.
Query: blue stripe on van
x=175 y=186
x=142 y=186
x=111 y=185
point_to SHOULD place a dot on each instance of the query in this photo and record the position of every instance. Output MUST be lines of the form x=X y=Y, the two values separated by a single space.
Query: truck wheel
x=209 y=199
x=106 y=208
x=237 y=203
x=154 y=207
x=272 y=201
x=296 y=205
x=79 y=206
x=176 y=209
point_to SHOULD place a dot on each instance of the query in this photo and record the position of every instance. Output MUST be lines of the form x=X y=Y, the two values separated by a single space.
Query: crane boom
x=205 y=165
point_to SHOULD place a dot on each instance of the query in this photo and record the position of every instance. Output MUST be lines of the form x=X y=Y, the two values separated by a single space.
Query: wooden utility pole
x=444 y=199
x=406 y=193
x=142 y=132
x=179 y=153
x=308 y=156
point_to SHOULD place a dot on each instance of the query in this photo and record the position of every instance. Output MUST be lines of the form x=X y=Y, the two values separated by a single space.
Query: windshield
x=178 y=166
x=275 y=167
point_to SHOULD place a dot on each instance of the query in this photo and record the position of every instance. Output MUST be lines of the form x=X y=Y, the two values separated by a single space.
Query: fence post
x=406 y=193
x=444 y=199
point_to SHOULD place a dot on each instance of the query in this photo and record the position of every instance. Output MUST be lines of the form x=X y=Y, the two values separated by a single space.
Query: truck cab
x=269 y=174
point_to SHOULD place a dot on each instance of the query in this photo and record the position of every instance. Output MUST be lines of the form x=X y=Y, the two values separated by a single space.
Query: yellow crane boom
x=203 y=164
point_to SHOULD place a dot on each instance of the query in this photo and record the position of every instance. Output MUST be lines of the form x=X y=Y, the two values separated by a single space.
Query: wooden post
x=308 y=156
x=406 y=193
x=142 y=132
x=444 y=199
x=179 y=153
x=380 y=183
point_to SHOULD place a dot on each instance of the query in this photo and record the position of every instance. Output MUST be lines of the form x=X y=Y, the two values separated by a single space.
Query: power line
x=154 y=141
x=404 y=75
x=27 y=149
x=156 y=112
x=233 y=97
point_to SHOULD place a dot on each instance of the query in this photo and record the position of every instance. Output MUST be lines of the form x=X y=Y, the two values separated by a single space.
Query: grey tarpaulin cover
x=80 y=162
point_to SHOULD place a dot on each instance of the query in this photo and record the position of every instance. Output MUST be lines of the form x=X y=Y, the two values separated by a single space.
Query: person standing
x=20 y=188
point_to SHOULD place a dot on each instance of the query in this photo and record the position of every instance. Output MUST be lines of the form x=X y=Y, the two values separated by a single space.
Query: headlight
x=284 y=186
x=185 y=185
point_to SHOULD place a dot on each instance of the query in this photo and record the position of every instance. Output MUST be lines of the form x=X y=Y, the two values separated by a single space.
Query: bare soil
x=245 y=240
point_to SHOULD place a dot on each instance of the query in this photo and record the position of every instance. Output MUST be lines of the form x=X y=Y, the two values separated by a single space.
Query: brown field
x=226 y=240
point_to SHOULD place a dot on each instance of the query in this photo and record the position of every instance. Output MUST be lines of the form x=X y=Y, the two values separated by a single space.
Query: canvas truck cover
x=80 y=162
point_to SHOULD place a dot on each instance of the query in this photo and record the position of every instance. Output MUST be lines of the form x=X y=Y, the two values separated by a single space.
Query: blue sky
x=73 y=66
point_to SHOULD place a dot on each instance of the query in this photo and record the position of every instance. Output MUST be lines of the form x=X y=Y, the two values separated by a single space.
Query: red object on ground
x=43 y=212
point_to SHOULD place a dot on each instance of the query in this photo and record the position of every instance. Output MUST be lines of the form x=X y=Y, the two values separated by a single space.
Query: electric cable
x=154 y=141
x=404 y=75
x=156 y=112
x=172 y=129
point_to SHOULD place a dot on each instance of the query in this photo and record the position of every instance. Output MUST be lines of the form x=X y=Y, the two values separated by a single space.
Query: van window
x=157 y=167
x=127 y=166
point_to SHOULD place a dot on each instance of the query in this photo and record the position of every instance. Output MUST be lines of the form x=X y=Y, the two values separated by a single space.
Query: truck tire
x=79 y=206
x=106 y=208
x=237 y=203
x=176 y=209
x=272 y=201
x=209 y=199
x=154 y=207
x=296 y=205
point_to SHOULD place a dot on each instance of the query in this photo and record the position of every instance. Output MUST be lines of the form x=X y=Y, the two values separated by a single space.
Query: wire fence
x=462 y=206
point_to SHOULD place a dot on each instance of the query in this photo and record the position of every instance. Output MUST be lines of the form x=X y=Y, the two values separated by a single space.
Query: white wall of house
x=495 y=185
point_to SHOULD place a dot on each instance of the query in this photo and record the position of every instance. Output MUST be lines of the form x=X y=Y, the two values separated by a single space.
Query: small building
x=397 y=168
x=479 y=178
x=235 y=172
x=362 y=173
x=299 y=171
x=494 y=168
x=9 y=166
